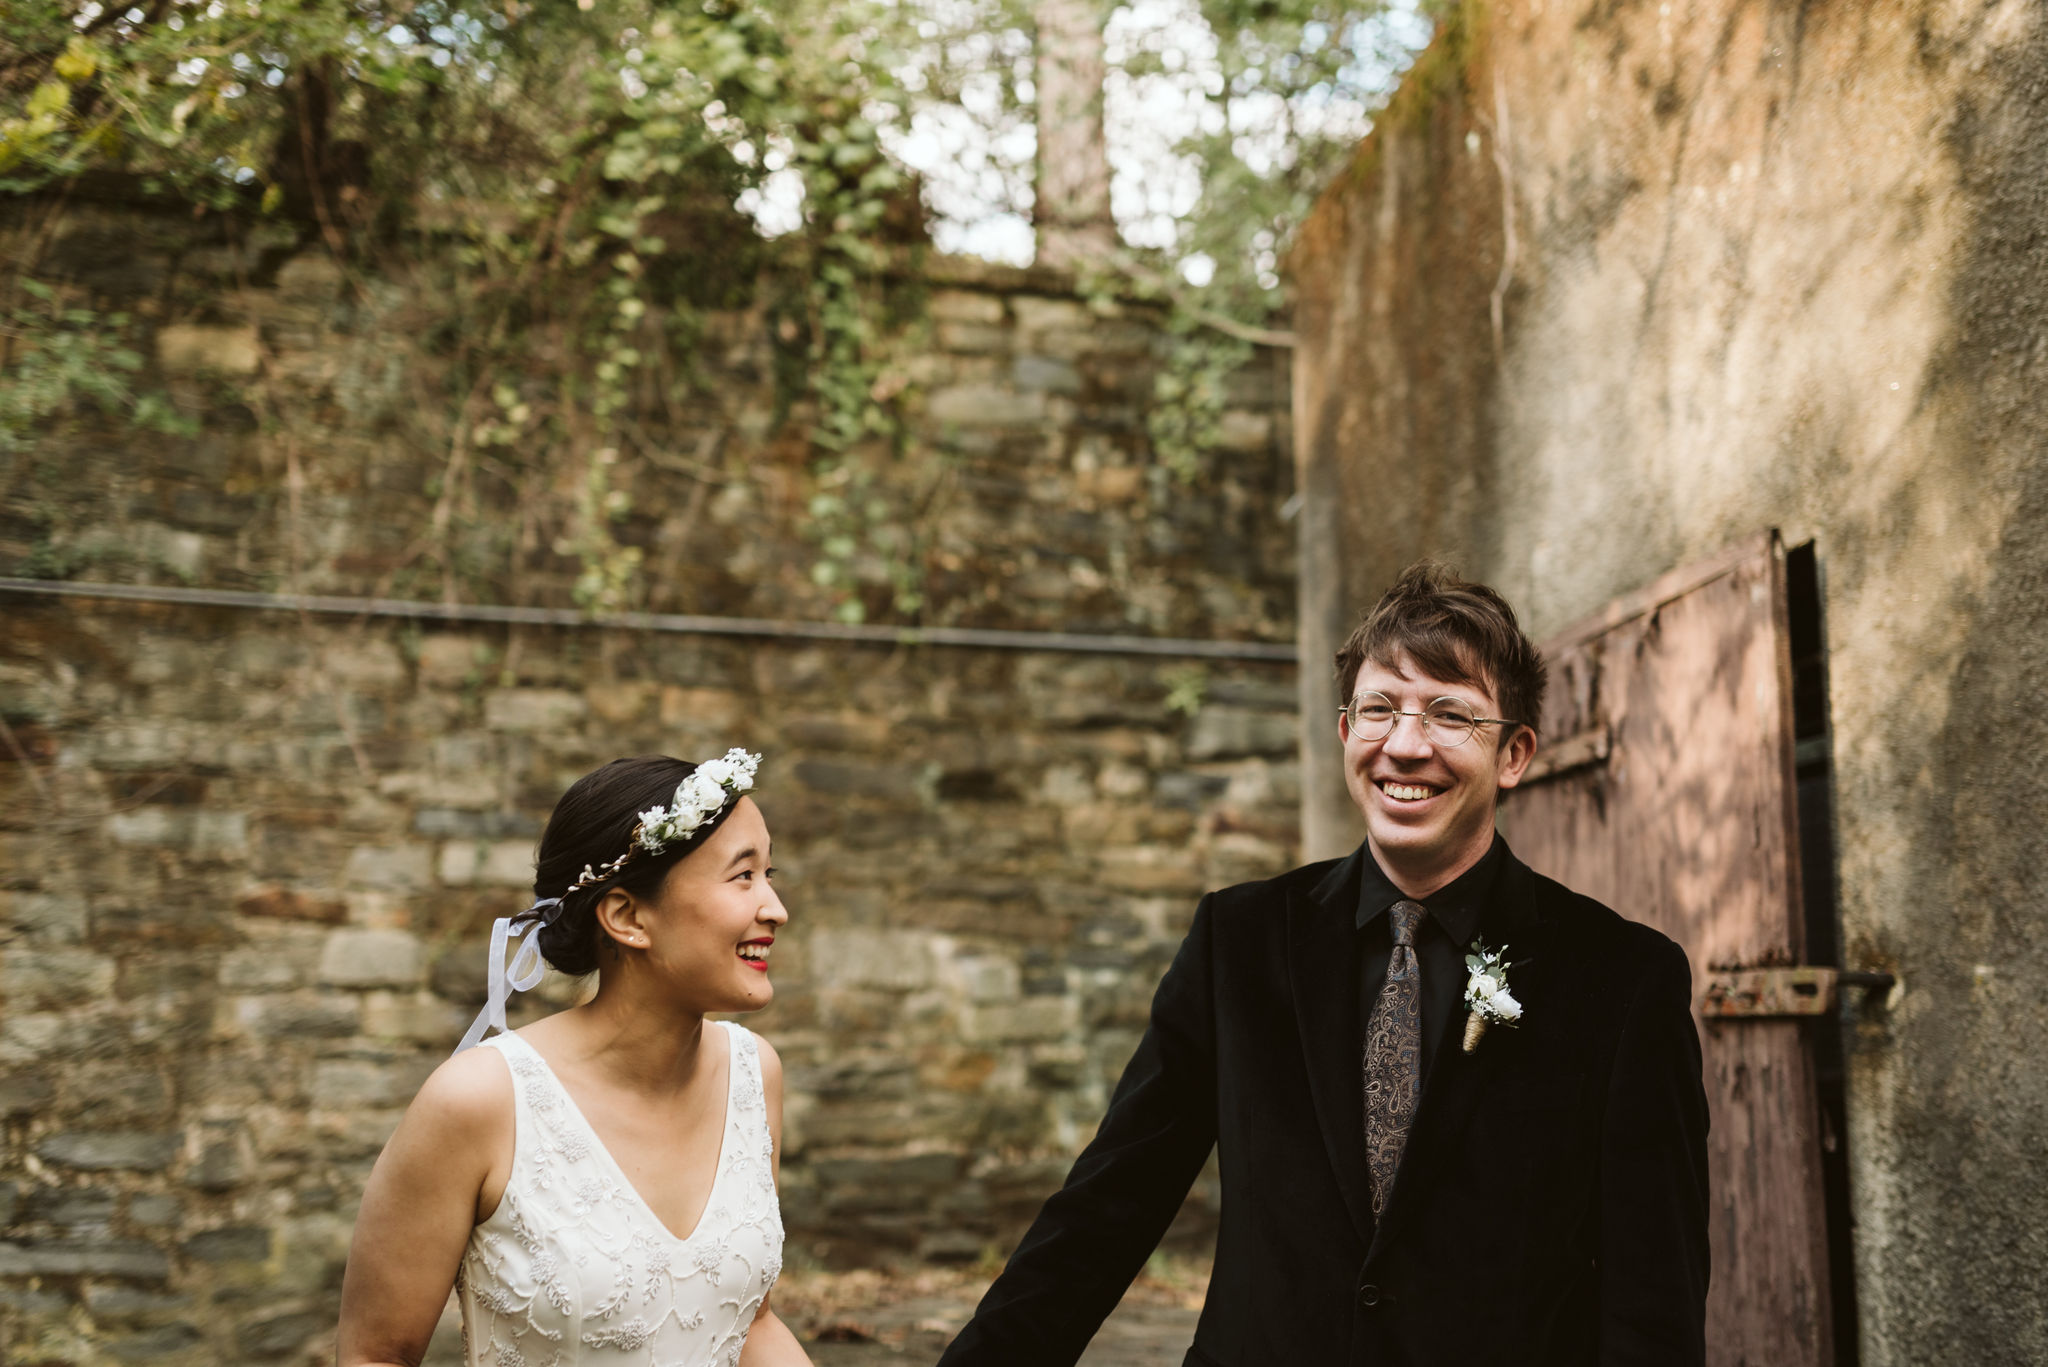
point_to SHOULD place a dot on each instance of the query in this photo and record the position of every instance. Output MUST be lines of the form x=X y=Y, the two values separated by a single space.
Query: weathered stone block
x=24 y=1093
x=310 y=275
x=972 y=339
x=953 y=1246
x=413 y=1016
x=895 y=960
x=399 y=868
x=276 y=965
x=985 y=978
x=345 y=1083
x=153 y=1211
x=847 y=731
x=1149 y=868
x=533 y=709
x=119 y=1093
x=1021 y=1021
x=1048 y=374
x=116 y=1300
x=100 y=1150
x=201 y=831
x=452 y=661
x=282 y=1335
x=985 y=405
x=48 y=1305
x=965 y=306
x=1037 y=314
x=185 y=348
x=147 y=1345
x=292 y=904
x=53 y=979
x=498 y=863
x=74 y=1209
x=461 y=973
x=235 y=1244
x=451 y=823
x=621 y=701
x=898 y=782
x=298 y=1017
x=1223 y=732
x=1191 y=791
x=37 y=1035
x=371 y=958
x=1110 y=484
x=140 y=745
x=365 y=662
x=54 y=917
x=1245 y=433
x=223 y=1165
x=1060 y=1064
x=708 y=709
x=84 y=1258
x=1123 y=782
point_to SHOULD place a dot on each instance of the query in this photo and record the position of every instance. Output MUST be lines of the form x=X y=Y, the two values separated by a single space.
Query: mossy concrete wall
x=1756 y=265
x=246 y=859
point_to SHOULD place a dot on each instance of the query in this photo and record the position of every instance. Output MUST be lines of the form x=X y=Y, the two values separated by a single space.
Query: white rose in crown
x=1487 y=999
x=698 y=798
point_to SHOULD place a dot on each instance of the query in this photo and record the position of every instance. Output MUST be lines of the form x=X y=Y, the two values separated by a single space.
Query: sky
x=975 y=152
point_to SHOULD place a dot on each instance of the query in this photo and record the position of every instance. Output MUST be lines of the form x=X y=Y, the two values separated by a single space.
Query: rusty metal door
x=1668 y=793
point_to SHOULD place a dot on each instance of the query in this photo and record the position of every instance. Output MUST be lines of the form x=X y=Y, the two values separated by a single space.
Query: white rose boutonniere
x=1487 y=999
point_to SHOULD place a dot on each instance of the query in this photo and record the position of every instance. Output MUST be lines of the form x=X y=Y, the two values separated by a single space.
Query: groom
x=1390 y=1195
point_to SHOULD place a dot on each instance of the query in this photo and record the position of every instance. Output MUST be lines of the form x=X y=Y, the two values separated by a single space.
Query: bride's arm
x=443 y=1170
x=769 y=1341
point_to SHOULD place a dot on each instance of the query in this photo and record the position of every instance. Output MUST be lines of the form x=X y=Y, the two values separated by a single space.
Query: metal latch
x=1762 y=993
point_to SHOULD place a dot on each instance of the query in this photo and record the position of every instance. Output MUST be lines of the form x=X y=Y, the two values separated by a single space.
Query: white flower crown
x=698 y=798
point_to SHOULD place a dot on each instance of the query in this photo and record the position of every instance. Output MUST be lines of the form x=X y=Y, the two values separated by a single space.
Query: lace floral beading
x=572 y=1267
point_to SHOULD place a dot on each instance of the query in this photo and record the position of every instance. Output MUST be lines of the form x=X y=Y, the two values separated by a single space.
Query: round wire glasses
x=1446 y=722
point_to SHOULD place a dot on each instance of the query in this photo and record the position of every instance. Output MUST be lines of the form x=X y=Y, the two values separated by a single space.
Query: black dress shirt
x=1441 y=940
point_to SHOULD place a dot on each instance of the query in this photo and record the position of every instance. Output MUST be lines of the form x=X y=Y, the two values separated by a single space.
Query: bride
x=600 y=1186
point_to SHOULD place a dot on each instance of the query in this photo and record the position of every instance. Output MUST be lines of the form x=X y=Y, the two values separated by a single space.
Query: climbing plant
x=589 y=163
x=578 y=185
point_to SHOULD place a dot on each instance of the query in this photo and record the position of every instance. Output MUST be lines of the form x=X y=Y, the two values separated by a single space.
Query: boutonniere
x=1487 y=998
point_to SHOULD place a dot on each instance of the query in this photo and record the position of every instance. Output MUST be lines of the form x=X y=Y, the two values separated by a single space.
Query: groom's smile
x=1407 y=792
x=1428 y=805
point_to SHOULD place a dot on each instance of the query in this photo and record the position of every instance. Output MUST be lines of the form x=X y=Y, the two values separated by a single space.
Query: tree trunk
x=1071 y=215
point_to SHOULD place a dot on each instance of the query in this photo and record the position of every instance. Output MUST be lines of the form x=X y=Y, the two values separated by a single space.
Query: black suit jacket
x=1551 y=1207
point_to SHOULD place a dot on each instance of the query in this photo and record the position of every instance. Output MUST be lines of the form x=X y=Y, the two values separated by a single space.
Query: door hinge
x=1765 y=993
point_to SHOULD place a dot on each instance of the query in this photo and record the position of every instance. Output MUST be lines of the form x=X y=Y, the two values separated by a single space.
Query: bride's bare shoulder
x=470 y=1093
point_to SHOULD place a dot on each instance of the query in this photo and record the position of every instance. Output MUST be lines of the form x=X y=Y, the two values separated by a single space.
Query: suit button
x=1368 y=1295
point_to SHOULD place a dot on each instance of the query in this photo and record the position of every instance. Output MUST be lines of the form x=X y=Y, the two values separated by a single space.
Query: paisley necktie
x=1393 y=1055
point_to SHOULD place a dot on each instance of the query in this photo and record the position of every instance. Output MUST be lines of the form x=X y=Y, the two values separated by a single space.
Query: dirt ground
x=897 y=1319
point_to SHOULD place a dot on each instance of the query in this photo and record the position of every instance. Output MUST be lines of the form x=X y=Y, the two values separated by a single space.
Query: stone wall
x=1759 y=265
x=244 y=873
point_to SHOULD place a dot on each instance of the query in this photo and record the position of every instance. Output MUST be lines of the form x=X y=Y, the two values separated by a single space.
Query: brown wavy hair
x=1453 y=628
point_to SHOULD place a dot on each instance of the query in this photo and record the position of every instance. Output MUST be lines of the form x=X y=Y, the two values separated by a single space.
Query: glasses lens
x=1450 y=722
x=1372 y=716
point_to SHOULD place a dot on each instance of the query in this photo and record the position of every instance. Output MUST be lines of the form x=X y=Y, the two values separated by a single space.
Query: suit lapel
x=1458 y=1080
x=1322 y=944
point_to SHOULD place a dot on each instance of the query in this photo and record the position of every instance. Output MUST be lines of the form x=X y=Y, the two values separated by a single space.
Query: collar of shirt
x=1455 y=907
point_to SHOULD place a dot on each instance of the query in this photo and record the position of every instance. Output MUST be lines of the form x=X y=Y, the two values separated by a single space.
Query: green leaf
x=49 y=99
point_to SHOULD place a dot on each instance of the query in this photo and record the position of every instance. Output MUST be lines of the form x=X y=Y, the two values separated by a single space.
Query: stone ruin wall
x=243 y=884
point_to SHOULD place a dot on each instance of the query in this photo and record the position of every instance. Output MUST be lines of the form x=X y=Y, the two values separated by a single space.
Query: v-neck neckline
x=732 y=1056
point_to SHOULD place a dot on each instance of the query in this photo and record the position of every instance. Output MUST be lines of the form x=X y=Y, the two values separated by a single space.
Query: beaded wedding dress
x=573 y=1270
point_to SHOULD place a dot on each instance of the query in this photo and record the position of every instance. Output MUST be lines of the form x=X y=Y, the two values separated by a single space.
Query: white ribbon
x=524 y=975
